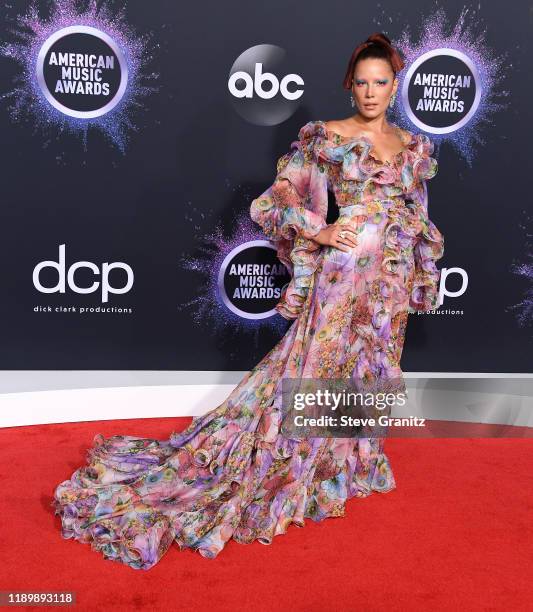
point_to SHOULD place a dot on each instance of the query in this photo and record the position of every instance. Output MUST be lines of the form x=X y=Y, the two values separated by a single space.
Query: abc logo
x=263 y=88
x=105 y=286
x=256 y=84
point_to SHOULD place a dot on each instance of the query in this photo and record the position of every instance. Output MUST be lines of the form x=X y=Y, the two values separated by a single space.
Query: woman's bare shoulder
x=405 y=135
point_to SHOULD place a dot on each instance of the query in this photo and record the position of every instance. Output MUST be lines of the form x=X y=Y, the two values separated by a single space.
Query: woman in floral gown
x=232 y=474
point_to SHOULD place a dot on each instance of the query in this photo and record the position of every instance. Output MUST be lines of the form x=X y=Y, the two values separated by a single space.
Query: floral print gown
x=231 y=474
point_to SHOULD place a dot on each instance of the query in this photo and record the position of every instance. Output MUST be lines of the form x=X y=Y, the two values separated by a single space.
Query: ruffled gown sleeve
x=292 y=211
x=429 y=246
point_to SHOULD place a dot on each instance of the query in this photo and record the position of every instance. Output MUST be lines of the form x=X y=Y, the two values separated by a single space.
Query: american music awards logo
x=441 y=91
x=251 y=280
x=238 y=277
x=452 y=82
x=82 y=72
x=79 y=70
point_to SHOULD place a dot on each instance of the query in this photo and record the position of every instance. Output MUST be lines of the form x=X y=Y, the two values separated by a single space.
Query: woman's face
x=373 y=85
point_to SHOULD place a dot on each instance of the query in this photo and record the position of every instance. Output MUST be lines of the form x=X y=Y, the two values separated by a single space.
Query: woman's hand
x=341 y=237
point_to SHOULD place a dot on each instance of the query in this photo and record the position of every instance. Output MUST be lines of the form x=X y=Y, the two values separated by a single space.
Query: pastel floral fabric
x=294 y=208
x=232 y=474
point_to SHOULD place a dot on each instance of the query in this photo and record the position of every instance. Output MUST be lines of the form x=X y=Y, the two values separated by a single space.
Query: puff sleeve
x=429 y=246
x=292 y=211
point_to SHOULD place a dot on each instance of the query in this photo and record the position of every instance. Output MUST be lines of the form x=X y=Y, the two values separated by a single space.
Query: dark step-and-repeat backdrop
x=135 y=136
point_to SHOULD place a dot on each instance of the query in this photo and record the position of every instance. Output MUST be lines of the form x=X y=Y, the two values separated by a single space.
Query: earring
x=352 y=100
x=392 y=100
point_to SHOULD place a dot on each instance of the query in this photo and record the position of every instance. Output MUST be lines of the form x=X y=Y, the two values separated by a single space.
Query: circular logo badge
x=441 y=91
x=263 y=88
x=82 y=72
x=251 y=280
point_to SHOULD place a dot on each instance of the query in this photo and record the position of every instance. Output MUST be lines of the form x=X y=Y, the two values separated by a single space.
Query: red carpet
x=455 y=534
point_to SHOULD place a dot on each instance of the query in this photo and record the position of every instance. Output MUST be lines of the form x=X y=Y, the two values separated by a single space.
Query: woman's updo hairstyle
x=378 y=46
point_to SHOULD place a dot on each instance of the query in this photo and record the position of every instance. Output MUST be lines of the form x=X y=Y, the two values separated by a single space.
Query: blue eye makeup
x=380 y=82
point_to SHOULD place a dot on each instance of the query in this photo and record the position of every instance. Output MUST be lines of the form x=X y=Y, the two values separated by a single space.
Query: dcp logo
x=263 y=88
x=105 y=286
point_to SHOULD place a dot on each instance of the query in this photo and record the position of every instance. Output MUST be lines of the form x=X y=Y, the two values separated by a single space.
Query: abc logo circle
x=263 y=88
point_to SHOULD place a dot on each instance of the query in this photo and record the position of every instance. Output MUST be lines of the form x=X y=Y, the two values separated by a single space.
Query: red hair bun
x=376 y=45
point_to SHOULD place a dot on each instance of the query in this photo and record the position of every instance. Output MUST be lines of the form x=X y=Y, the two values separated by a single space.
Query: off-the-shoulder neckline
x=412 y=139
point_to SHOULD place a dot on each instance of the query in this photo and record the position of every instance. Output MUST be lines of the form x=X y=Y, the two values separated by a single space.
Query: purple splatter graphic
x=31 y=30
x=525 y=307
x=491 y=69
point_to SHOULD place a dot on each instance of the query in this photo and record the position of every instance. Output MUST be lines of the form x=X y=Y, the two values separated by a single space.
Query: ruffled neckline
x=337 y=138
x=354 y=154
